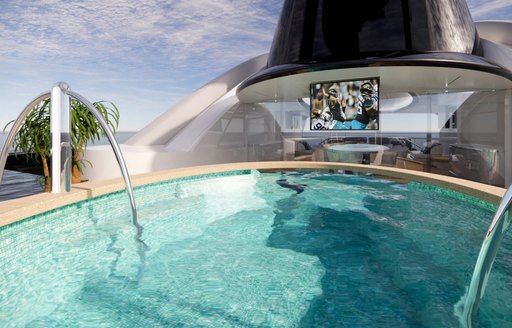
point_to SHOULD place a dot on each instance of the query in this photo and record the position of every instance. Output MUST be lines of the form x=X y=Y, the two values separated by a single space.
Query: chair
x=409 y=164
x=384 y=158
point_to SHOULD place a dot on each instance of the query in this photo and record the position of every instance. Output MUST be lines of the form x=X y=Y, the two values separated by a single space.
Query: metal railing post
x=61 y=150
x=117 y=152
x=60 y=126
x=468 y=306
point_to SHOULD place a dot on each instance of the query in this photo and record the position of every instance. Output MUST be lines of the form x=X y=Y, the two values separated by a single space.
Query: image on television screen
x=345 y=105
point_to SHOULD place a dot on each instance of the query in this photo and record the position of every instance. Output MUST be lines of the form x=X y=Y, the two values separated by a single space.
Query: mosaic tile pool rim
x=19 y=209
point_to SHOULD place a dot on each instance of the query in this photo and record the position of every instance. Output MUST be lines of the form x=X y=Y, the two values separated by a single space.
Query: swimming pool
x=251 y=249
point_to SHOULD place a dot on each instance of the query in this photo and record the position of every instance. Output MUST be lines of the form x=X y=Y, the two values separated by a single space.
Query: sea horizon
x=121 y=137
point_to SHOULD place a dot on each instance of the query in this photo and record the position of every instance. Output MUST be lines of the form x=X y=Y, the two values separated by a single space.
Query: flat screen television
x=345 y=104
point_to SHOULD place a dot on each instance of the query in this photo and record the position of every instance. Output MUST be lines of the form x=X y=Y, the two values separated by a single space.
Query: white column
x=60 y=135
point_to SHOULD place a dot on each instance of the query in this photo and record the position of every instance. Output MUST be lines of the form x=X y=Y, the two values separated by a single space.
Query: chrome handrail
x=485 y=260
x=113 y=142
x=117 y=152
x=15 y=128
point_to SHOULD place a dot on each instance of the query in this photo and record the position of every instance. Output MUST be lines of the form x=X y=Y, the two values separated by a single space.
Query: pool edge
x=18 y=209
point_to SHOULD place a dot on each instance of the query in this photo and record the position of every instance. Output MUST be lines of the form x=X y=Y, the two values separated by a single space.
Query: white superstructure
x=221 y=122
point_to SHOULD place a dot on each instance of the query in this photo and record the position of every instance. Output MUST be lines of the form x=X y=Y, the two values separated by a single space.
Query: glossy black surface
x=440 y=59
x=311 y=31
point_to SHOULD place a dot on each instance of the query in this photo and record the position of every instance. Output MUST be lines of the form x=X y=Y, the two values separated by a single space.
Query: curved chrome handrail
x=115 y=146
x=15 y=128
x=485 y=260
x=117 y=152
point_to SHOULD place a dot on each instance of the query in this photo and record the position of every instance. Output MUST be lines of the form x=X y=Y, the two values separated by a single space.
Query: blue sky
x=143 y=55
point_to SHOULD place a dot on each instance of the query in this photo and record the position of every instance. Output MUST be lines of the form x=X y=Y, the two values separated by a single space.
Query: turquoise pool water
x=251 y=249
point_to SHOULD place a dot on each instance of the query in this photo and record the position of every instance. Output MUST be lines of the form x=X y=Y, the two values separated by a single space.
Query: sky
x=142 y=55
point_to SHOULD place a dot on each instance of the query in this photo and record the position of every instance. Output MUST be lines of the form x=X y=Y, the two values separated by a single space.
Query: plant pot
x=76 y=176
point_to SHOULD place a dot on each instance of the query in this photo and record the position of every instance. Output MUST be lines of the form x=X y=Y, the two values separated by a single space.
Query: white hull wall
x=149 y=159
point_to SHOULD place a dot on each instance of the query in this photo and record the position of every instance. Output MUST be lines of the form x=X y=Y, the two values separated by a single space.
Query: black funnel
x=316 y=31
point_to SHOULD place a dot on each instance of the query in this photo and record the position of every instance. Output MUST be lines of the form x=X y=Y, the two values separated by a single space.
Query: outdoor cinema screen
x=345 y=105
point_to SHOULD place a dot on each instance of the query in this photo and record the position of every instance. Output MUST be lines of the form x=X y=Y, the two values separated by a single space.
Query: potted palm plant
x=33 y=138
x=85 y=128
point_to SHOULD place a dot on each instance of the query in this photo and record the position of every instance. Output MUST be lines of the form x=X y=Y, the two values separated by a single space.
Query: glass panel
x=479 y=153
x=455 y=133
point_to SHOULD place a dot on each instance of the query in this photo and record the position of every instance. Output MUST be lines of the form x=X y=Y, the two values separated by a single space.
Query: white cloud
x=140 y=54
x=173 y=31
x=490 y=9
